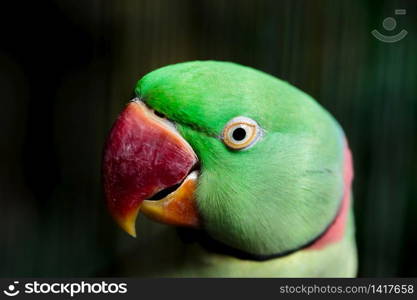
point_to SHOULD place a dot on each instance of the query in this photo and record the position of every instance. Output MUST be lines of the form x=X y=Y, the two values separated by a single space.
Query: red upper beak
x=143 y=155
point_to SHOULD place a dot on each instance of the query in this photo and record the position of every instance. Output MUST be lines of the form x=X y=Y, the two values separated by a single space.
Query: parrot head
x=248 y=159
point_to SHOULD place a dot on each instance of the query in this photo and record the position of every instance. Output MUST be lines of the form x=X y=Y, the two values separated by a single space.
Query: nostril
x=161 y=115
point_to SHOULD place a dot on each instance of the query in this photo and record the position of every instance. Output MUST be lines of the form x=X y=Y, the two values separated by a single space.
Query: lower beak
x=145 y=157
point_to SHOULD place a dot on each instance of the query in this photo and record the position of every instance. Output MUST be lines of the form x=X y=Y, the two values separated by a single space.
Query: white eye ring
x=241 y=133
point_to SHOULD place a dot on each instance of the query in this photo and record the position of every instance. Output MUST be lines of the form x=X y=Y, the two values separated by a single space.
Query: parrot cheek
x=144 y=155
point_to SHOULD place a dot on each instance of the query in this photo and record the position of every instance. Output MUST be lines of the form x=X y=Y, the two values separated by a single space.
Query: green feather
x=276 y=196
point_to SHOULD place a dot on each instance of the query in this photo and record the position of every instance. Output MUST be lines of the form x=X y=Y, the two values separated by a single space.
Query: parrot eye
x=241 y=133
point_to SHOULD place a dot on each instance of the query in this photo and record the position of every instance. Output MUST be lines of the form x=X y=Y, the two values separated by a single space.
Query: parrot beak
x=146 y=158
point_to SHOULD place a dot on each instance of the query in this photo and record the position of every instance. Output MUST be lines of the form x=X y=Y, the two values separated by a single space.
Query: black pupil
x=239 y=134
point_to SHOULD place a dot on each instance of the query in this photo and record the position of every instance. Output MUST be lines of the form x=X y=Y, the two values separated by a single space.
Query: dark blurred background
x=68 y=67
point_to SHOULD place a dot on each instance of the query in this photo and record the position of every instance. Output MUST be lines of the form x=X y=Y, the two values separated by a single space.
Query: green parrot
x=252 y=173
